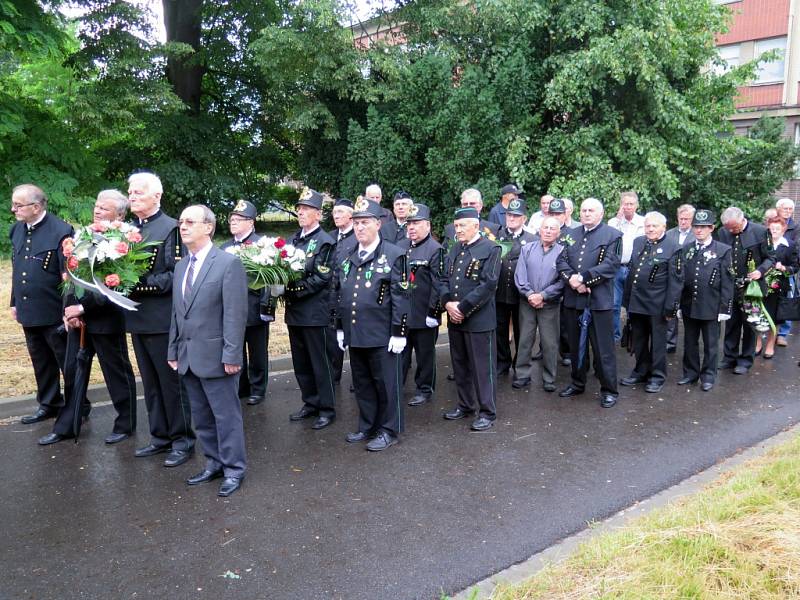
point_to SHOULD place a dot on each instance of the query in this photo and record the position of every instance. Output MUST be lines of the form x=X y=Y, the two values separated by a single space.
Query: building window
x=772 y=71
x=729 y=57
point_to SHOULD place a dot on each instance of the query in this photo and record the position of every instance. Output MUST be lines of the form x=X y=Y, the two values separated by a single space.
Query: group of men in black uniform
x=377 y=285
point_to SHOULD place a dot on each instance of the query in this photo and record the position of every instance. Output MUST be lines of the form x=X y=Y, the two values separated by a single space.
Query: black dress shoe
x=569 y=391
x=253 y=400
x=608 y=400
x=177 y=457
x=322 y=422
x=418 y=400
x=229 y=485
x=672 y=349
x=457 y=413
x=687 y=380
x=481 y=424
x=451 y=377
x=631 y=381
x=537 y=356
x=303 y=413
x=381 y=442
x=549 y=387
x=204 y=476
x=50 y=438
x=115 y=438
x=150 y=450
x=726 y=364
x=356 y=436
x=352 y=388
x=41 y=414
x=740 y=370
x=521 y=383
x=566 y=361
x=707 y=386
x=503 y=371
x=653 y=387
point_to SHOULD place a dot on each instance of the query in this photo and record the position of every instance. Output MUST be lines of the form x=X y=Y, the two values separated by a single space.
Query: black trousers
x=47 y=347
x=693 y=329
x=254 y=373
x=336 y=354
x=601 y=340
x=167 y=405
x=475 y=370
x=376 y=378
x=507 y=314
x=423 y=343
x=672 y=334
x=112 y=353
x=740 y=340
x=563 y=332
x=650 y=347
x=312 y=367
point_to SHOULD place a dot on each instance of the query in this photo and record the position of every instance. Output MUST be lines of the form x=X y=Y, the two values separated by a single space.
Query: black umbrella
x=584 y=320
x=80 y=382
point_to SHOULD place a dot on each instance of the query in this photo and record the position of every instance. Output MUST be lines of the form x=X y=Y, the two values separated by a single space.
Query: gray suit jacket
x=674 y=235
x=208 y=330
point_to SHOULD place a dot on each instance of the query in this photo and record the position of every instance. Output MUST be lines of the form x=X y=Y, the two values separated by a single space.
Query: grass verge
x=738 y=538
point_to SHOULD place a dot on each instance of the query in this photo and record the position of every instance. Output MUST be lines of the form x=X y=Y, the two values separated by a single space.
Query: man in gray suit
x=209 y=314
x=682 y=234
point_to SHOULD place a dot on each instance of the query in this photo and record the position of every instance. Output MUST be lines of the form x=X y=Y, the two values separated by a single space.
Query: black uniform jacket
x=254 y=297
x=374 y=297
x=37 y=264
x=707 y=281
x=393 y=232
x=655 y=281
x=449 y=237
x=154 y=290
x=426 y=265
x=751 y=244
x=595 y=256
x=471 y=280
x=507 y=291
x=308 y=298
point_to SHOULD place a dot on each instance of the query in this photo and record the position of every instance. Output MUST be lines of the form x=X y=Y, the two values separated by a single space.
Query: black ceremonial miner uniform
x=652 y=295
x=425 y=261
x=594 y=255
x=37 y=264
x=104 y=336
x=253 y=381
x=507 y=298
x=707 y=293
x=345 y=244
x=750 y=244
x=374 y=306
x=393 y=232
x=449 y=236
x=472 y=273
x=167 y=405
x=307 y=317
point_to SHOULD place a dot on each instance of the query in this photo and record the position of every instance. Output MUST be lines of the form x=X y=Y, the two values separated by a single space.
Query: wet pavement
x=319 y=518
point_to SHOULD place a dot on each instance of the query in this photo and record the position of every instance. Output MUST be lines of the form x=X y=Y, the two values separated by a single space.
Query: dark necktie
x=362 y=254
x=340 y=237
x=187 y=290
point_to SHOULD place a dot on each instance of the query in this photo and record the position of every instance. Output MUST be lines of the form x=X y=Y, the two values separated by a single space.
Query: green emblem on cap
x=702 y=215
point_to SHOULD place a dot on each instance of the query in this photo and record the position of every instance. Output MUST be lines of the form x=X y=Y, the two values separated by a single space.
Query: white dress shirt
x=630 y=231
x=199 y=257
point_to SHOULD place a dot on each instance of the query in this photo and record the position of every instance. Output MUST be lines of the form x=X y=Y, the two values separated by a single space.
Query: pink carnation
x=67 y=246
x=133 y=237
x=98 y=227
x=72 y=263
x=121 y=248
x=112 y=280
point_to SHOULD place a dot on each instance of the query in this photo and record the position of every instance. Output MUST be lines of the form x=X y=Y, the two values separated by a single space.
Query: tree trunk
x=182 y=21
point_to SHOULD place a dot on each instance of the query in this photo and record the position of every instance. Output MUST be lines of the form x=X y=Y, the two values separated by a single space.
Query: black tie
x=362 y=254
x=187 y=290
x=340 y=237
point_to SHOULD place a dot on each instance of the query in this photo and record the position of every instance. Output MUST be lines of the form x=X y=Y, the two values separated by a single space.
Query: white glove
x=721 y=317
x=679 y=314
x=397 y=344
x=340 y=339
x=431 y=322
x=267 y=318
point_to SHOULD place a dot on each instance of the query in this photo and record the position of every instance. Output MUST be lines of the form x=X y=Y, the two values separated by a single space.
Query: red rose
x=284 y=254
x=280 y=243
x=411 y=277
x=134 y=237
x=121 y=248
x=112 y=280
x=67 y=246
x=72 y=263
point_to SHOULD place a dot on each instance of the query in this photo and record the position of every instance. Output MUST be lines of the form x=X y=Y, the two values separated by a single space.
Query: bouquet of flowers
x=108 y=257
x=772 y=279
x=271 y=262
x=753 y=305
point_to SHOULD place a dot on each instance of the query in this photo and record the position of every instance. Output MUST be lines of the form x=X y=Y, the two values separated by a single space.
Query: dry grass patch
x=739 y=538
x=16 y=372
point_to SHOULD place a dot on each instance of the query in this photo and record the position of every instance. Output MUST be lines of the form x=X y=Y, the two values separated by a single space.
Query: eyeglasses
x=190 y=222
x=17 y=206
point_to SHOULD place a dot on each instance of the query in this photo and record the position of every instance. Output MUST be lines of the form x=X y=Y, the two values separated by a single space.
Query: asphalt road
x=319 y=518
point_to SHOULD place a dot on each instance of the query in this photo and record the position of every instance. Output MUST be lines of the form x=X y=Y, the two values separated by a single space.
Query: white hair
x=785 y=202
x=374 y=189
x=472 y=194
x=120 y=199
x=686 y=208
x=150 y=181
x=732 y=213
x=593 y=202
x=655 y=216
x=569 y=205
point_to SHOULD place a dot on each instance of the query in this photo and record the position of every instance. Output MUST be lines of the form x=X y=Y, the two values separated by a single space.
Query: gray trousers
x=217 y=415
x=547 y=321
